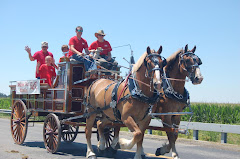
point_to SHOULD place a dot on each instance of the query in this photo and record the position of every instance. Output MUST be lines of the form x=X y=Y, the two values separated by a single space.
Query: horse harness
x=135 y=93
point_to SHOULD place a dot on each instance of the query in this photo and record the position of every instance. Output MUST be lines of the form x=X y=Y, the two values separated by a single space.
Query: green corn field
x=214 y=113
x=5 y=103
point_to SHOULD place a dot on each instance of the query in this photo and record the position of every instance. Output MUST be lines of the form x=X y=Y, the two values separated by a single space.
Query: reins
x=175 y=79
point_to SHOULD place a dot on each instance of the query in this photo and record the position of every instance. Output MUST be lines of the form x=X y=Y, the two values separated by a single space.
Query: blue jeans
x=88 y=64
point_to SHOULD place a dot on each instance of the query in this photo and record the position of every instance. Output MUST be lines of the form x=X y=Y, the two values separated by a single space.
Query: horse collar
x=137 y=93
x=171 y=93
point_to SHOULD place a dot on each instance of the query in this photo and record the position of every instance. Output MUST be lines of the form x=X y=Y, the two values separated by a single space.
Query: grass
x=3 y=115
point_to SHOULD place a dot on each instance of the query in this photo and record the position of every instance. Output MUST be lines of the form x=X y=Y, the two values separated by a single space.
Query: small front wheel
x=69 y=133
x=52 y=133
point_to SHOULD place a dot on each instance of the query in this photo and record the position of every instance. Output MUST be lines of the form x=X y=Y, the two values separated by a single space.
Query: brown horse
x=128 y=109
x=181 y=64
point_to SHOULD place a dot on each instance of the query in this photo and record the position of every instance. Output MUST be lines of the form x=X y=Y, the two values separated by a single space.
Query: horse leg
x=140 y=150
x=88 y=131
x=143 y=126
x=115 y=142
x=165 y=147
x=173 y=137
x=102 y=142
x=137 y=134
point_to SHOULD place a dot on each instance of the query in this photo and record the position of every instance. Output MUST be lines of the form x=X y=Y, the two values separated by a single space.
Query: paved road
x=33 y=148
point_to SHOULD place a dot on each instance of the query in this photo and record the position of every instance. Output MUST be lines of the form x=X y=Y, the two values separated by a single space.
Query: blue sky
x=213 y=26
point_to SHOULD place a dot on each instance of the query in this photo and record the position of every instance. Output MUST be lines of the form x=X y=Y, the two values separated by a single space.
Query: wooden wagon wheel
x=52 y=133
x=108 y=134
x=19 y=122
x=69 y=133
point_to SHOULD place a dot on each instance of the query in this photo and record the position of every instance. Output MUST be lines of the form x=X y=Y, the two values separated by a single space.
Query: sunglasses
x=100 y=35
x=80 y=30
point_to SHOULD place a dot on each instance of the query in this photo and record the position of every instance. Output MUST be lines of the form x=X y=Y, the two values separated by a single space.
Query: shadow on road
x=79 y=149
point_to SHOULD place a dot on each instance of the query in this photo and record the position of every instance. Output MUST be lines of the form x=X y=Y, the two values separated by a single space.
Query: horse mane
x=139 y=63
x=173 y=57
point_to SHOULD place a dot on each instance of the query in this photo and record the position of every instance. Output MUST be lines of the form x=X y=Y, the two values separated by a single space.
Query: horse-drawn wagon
x=63 y=101
x=77 y=99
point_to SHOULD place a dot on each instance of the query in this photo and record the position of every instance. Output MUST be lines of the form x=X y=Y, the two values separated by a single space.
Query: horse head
x=189 y=63
x=154 y=63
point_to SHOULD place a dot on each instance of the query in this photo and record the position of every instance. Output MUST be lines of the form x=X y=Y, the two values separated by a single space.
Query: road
x=33 y=147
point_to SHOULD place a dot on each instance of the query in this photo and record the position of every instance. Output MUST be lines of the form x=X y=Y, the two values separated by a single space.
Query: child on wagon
x=47 y=71
x=65 y=50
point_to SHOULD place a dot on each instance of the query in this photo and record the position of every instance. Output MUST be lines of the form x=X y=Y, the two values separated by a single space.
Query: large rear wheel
x=52 y=133
x=19 y=122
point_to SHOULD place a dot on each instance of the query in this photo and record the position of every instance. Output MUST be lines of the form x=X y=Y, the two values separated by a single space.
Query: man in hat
x=105 y=59
x=40 y=56
x=77 y=44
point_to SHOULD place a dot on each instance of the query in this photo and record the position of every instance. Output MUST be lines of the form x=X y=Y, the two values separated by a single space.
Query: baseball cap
x=44 y=43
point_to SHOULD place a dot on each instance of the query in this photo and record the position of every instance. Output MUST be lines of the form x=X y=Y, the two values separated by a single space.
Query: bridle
x=190 y=69
x=154 y=58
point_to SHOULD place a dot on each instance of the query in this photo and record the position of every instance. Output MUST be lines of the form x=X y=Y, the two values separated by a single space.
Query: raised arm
x=28 y=49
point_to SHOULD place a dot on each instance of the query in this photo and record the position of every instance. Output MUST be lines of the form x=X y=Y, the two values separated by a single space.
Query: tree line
x=3 y=95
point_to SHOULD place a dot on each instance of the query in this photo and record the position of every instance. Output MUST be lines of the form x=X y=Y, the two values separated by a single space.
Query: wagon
x=63 y=101
x=62 y=106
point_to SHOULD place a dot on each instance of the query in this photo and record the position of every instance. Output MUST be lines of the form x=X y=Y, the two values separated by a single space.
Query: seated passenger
x=105 y=48
x=77 y=44
x=65 y=50
x=47 y=71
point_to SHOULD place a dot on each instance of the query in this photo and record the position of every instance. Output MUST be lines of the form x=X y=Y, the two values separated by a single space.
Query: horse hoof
x=158 y=152
x=92 y=157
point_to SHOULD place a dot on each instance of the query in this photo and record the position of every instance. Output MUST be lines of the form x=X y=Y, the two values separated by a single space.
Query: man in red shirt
x=40 y=56
x=77 y=44
x=106 y=57
x=47 y=71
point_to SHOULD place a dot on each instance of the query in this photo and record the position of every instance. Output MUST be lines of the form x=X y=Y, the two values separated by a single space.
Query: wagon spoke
x=17 y=112
x=15 y=115
x=15 y=133
x=54 y=144
x=55 y=139
x=21 y=112
x=47 y=139
x=14 y=129
x=48 y=126
x=18 y=134
x=70 y=136
x=110 y=139
x=71 y=129
x=22 y=122
x=22 y=127
x=22 y=115
x=14 y=124
x=55 y=128
x=108 y=143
